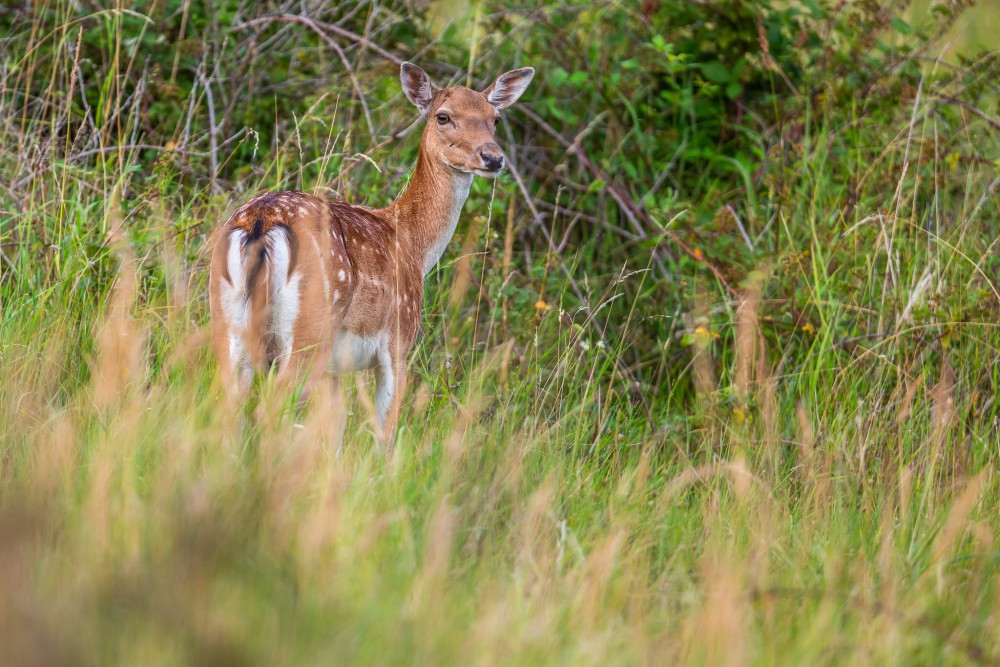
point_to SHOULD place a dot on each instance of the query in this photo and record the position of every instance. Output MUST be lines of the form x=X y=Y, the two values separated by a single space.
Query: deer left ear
x=508 y=87
x=417 y=86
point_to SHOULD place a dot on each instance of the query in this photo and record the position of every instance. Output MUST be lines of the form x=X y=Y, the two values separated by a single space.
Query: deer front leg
x=390 y=386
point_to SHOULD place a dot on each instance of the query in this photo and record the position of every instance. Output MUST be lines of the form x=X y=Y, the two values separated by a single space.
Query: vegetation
x=709 y=377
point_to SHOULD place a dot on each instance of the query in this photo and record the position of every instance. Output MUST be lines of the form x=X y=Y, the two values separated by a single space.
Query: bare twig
x=318 y=27
x=739 y=224
x=329 y=27
x=990 y=120
x=213 y=145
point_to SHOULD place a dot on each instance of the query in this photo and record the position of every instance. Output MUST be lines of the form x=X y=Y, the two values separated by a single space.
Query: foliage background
x=709 y=377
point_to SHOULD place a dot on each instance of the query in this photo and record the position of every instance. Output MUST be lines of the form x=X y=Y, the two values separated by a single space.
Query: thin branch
x=990 y=120
x=330 y=27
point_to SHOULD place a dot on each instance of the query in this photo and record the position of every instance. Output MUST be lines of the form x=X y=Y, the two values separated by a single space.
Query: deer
x=314 y=287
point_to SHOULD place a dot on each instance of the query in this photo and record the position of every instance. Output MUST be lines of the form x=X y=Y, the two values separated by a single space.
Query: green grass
x=605 y=456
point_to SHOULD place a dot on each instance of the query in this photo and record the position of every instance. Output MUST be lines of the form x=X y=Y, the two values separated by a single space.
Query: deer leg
x=235 y=371
x=390 y=386
x=305 y=365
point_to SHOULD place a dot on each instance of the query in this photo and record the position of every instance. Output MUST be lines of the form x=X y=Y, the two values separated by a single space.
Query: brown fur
x=358 y=270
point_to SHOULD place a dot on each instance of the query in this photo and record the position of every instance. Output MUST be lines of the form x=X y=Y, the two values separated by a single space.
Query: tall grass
x=596 y=464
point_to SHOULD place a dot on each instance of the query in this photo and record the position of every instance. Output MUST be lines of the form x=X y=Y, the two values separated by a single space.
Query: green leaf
x=738 y=69
x=814 y=9
x=596 y=185
x=733 y=89
x=901 y=26
x=715 y=72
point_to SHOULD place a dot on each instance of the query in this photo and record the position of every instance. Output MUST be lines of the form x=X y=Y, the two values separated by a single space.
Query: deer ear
x=508 y=87
x=417 y=86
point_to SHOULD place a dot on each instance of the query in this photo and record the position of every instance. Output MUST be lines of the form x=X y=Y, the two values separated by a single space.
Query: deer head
x=461 y=122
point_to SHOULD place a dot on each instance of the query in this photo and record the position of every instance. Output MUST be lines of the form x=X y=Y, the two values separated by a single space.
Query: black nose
x=492 y=162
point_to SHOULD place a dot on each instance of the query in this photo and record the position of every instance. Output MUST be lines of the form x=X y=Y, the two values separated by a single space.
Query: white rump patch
x=283 y=291
x=234 y=303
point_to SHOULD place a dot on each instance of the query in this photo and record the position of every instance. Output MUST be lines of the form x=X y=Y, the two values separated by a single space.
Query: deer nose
x=491 y=161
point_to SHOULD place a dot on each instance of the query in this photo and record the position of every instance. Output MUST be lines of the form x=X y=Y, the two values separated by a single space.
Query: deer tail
x=257 y=293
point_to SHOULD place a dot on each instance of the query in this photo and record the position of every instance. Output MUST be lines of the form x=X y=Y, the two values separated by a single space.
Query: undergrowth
x=708 y=378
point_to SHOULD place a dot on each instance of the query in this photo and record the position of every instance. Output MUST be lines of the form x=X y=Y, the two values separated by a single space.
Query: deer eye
x=443 y=118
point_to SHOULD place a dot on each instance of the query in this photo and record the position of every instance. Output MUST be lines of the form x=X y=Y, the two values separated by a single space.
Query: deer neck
x=427 y=213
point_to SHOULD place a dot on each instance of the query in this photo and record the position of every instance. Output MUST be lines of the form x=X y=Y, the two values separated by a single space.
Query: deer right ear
x=508 y=87
x=417 y=86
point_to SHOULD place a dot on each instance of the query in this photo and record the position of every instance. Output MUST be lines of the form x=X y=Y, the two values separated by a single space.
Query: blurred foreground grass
x=790 y=461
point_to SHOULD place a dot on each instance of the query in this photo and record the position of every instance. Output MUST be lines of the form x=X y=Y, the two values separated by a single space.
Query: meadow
x=708 y=377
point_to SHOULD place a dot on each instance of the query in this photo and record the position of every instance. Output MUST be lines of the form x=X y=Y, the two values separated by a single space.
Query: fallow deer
x=314 y=286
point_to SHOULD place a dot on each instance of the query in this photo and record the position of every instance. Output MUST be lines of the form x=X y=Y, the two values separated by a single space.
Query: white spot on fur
x=372 y=280
x=341 y=275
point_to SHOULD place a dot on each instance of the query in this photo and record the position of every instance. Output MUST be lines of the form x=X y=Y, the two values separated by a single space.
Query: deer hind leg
x=303 y=368
x=302 y=345
x=235 y=370
x=303 y=325
x=239 y=372
x=304 y=318
x=230 y=315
